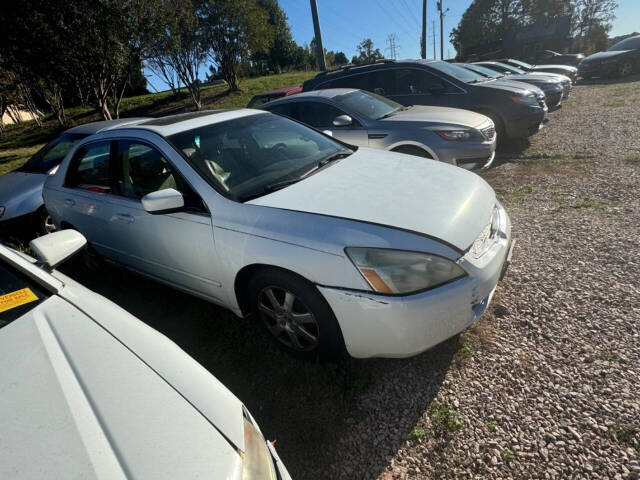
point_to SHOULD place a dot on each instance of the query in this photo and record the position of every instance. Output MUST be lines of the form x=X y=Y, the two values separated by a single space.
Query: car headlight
x=395 y=272
x=460 y=135
x=1 y=211
x=529 y=100
x=257 y=463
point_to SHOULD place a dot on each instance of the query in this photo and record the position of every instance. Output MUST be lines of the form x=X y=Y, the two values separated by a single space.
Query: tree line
x=485 y=21
x=61 y=53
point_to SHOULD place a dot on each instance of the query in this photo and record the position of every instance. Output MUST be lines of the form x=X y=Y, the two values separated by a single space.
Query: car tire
x=43 y=222
x=625 y=69
x=412 y=150
x=296 y=315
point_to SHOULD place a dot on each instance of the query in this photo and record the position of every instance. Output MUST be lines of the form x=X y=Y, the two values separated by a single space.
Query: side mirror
x=163 y=201
x=54 y=248
x=342 y=121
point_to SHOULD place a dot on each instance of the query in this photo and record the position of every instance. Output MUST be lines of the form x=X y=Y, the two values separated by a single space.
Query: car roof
x=171 y=124
x=278 y=90
x=95 y=127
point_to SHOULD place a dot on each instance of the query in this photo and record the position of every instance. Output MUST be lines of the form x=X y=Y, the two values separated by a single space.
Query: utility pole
x=433 y=23
x=423 y=40
x=441 y=28
x=318 y=36
x=392 y=41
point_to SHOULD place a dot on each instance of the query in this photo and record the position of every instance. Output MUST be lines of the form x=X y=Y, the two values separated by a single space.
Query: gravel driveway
x=545 y=385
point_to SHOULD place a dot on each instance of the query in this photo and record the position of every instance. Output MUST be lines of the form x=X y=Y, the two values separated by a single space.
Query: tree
x=234 y=29
x=367 y=52
x=592 y=13
x=340 y=59
x=282 y=52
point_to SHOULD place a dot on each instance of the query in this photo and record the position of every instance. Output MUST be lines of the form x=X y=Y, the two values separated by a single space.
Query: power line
x=394 y=20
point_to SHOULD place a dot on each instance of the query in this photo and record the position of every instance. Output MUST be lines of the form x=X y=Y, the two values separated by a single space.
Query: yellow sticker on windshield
x=17 y=298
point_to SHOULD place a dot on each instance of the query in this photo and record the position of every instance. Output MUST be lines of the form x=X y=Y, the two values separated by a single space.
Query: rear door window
x=90 y=168
x=18 y=294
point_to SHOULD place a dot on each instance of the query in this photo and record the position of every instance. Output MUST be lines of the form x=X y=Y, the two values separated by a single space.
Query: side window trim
x=116 y=161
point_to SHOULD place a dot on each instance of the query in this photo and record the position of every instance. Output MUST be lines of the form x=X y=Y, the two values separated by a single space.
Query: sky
x=345 y=23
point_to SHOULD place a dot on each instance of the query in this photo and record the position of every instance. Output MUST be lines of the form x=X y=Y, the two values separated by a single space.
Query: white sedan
x=88 y=391
x=332 y=245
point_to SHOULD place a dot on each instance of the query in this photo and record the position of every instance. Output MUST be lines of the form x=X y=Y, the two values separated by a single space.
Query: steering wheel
x=279 y=146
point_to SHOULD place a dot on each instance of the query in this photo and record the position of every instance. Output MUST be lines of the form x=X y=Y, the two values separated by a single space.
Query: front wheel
x=625 y=69
x=296 y=315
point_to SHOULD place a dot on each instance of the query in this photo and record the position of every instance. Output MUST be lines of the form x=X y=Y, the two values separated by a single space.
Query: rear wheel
x=625 y=69
x=296 y=315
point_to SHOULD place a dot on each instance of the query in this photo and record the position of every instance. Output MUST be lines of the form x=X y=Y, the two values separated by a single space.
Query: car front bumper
x=525 y=126
x=402 y=326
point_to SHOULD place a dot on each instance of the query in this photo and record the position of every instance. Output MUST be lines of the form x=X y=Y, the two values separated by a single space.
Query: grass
x=19 y=142
x=633 y=158
x=625 y=434
x=465 y=348
x=516 y=196
x=444 y=421
x=418 y=432
x=508 y=455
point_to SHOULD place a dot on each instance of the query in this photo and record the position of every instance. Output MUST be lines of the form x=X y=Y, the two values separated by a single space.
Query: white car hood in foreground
x=75 y=402
x=396 y=190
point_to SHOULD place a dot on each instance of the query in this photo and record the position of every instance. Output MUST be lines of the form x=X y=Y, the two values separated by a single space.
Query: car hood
x=77 y=402
x=563 y=68
x=15 y=185
x=438 y=115
x=596 y=57
x=395 y=190
x=534 y=77
x=511 y=86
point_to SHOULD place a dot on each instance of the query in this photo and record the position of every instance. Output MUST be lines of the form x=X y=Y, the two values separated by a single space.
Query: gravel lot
x=545 y=385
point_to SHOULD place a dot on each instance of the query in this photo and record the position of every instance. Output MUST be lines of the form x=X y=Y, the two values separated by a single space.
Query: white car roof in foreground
x=172 y=124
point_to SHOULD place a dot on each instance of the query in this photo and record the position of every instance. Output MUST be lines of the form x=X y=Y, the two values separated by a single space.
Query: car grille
x=489 y=132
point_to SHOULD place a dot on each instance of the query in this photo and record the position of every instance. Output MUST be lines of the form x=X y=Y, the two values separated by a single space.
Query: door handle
x=125 y=217
x=69 y=202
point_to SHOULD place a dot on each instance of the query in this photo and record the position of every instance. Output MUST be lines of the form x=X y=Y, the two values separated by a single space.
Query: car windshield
x=506 y=68
x=370 y=105
x=525 y=65
x=487 y=72
x=18 y=294
x=457 y=72
x=251 y=156
x=52 y=153
x=626 y=44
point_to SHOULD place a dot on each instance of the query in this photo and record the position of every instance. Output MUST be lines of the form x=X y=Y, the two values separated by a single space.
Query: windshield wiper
x=331 y=158
x=391 y=113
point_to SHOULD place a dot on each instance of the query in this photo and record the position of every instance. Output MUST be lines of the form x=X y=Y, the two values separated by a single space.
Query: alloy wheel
x=288 y=319
x=625 y=69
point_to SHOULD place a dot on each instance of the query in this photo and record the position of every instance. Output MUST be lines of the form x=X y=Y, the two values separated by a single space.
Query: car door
x=176 y=247
x=321 y=115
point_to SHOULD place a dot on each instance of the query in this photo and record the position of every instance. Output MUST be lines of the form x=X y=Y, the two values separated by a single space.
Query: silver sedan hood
x=18 y=188
x=395 y=190
x=438 y=115
x=74 y=403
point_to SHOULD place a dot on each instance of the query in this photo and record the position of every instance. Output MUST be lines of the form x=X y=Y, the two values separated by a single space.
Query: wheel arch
x=411 y=143
x=244 y=275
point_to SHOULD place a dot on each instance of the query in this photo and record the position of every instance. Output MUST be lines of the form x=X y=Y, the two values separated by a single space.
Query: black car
x=619 y=60
x=549 y=57
x=517 y=110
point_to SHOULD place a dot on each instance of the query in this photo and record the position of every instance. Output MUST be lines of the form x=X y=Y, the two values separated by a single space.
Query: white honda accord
x=88 y=391
x=332 y=245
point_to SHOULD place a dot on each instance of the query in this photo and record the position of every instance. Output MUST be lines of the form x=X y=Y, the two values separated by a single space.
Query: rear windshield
x=52 y=154
x=626 y=44
x=18 y=294
x=261 y=100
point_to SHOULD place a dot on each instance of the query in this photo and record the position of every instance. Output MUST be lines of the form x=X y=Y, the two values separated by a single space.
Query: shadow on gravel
x=343 y=420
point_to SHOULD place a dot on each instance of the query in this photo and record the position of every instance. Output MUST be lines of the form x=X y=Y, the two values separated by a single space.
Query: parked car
x=549 y=57
x=89 y=391
x=619 y=60
x=262 y=98
x=553 y=88
x=331 y=245
x=356 y=117
x=509 y=71
x=21 y=189
x=516 y=111
x=566 y=70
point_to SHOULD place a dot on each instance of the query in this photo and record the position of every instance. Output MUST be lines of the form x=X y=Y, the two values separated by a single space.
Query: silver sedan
x=365 y=119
